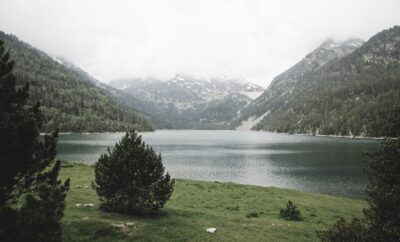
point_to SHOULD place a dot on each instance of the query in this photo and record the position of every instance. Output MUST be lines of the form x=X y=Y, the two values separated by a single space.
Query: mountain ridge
x=69 y=99
x=188 y=102
x=282 y=85
x=342 y=97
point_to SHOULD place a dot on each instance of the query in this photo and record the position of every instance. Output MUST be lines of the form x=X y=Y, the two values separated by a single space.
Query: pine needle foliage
x=32 y=199
x=381 y=221
x=130 y=178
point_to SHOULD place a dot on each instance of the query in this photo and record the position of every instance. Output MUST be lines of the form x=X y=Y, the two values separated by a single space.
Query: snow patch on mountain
x=194 y=102
x=252 y=95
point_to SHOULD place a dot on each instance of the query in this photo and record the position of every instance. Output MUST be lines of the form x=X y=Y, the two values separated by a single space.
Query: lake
x=328 y=165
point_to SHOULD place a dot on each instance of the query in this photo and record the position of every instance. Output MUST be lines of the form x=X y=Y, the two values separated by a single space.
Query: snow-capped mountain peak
x=194 y=99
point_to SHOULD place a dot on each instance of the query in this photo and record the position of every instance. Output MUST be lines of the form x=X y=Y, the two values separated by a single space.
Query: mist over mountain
x=199 y=120
x=200 y=89
x=282 y=86
x=70 y=98
x=338 y=89
x=188 y=102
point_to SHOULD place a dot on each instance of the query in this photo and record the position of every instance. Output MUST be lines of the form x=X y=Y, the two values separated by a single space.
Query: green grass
x=238 y=212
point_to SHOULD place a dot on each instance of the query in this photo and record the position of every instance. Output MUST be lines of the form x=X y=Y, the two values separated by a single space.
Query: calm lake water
x=318 y=164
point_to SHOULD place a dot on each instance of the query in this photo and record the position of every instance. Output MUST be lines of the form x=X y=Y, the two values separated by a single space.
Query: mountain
x=188 y=102
x=338 y=89
x=283 y=85
x=126 y=101
x=70 y=98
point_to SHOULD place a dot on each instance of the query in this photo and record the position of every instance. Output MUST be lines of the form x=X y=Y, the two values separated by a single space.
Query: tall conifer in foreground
x=31 y=196
x=130 y=179
x=382 y=219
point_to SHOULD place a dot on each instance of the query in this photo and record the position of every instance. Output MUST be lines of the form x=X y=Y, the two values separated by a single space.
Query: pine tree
x=130 y=179
x=383 y=214
x=31 y=197
x=381 y=220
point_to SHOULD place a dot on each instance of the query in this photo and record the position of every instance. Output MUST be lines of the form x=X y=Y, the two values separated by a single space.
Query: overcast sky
x=256 y=40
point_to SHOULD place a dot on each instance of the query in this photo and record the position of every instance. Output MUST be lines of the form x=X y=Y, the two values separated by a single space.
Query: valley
x=199 y=120
x=340 y=88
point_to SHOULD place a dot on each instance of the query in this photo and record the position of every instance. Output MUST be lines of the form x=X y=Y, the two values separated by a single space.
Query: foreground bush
x=343 y=231
x=130 y=179
x=290 y=212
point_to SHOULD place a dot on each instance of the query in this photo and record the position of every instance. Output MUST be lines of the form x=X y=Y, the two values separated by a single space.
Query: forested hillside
x=69 y=99
x=342 y=97
x=220 y=113
x=283 y=85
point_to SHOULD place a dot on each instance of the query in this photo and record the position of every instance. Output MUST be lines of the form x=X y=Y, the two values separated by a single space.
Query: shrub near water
x=130 y=179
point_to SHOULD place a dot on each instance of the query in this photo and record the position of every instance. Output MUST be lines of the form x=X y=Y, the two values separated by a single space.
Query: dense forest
x=69 y=100
x=343 y=96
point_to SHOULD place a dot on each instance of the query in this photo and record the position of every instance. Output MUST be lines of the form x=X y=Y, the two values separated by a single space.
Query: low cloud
x=255 y=40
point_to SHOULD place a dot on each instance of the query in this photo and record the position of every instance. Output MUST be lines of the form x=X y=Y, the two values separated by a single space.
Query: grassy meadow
x=238 y=212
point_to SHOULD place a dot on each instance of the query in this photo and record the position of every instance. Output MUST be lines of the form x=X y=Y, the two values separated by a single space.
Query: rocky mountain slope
x=338 y=89
x=71 y=100
x=187 y=102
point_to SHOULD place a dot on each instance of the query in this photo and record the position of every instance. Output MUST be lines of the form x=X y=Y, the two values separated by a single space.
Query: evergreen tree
x=342 y=231
x=130 y=179
x=382 y=219
x=383 y=215
x=31 y=197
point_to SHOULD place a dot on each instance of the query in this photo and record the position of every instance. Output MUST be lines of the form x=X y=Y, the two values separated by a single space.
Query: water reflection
x=318 y=164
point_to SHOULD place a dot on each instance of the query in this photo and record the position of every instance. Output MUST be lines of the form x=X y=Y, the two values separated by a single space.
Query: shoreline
x=297 y=134
x=86 y=133
x=68 y=163
x=238 y=212
x=339 y=136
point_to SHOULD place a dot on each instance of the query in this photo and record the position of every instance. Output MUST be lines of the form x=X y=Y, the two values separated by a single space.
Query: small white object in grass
x=211 y=230
x=86 y=187
x=85 y=218
x=121 y=226
x=130 y=224
x=90 y=204
x=78 y=204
